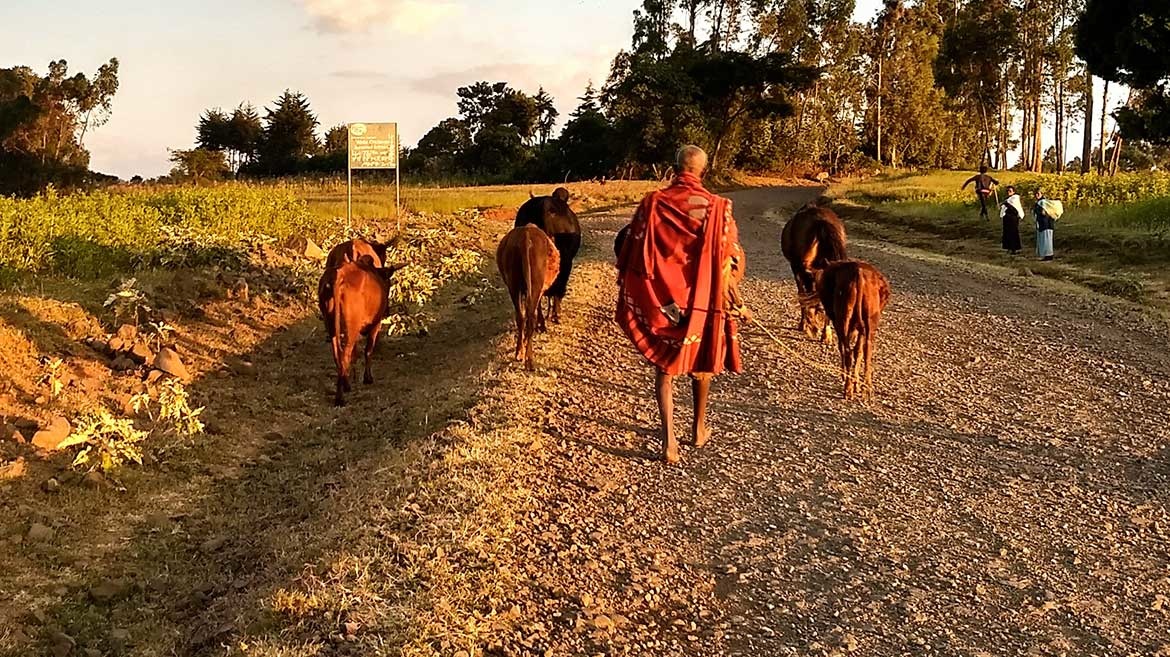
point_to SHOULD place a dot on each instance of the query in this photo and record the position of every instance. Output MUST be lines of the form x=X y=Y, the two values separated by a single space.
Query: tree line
x=283 y=142
x=764 y=85
x=44 y=121
x=790 y=84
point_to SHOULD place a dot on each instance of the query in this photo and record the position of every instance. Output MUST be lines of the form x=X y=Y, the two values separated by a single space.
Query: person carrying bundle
x=1011 y=212
x=1047 y=211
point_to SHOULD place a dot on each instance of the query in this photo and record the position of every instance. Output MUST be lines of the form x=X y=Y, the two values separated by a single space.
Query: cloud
x=360 y=74
x=353 y=16
x=444 y=83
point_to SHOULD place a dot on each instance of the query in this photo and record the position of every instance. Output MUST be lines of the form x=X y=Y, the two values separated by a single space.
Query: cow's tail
x=830 y=242
x=533 y=286
x=337 y=342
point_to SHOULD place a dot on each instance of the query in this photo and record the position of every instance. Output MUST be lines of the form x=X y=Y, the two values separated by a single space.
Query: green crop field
x=90 y=235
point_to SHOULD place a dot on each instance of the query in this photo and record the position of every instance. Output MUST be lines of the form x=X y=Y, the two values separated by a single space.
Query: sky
x=356 y=60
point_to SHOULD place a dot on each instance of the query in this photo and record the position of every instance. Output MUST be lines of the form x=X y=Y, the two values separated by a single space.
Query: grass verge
x=1120 y=249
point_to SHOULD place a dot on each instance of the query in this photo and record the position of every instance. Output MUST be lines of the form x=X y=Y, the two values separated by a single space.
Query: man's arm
x=994 y=181
x=969 y=181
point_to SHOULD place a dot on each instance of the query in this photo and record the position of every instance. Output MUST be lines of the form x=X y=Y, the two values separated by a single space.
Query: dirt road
x=1005 y=494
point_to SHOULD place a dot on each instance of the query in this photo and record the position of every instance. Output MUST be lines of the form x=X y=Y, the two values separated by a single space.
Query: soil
x=1004 y=494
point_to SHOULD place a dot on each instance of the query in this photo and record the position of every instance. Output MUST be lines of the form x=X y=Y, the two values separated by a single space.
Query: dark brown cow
x=620 y=241
x=529 y=262
x=812 y=238
x=349 y=251
x=853 y=294
x=359 y=296
x=553 y=215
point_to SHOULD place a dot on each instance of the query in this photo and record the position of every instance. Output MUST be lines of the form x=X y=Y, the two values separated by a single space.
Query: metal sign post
x=372 y=146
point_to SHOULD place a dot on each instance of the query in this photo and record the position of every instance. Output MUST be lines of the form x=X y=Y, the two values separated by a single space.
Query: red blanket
x=674 y=273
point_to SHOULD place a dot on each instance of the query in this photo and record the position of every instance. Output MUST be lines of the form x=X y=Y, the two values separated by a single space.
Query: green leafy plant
x=128 y=302
x=108 y=442
x=51 y=377
x=160 y=331
x=171 y=411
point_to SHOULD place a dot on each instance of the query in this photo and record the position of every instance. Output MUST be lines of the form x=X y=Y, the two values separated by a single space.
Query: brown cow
x=529 y=262
x=853 y=294
x=359 y=299
x=812 y=238
x=349 y=251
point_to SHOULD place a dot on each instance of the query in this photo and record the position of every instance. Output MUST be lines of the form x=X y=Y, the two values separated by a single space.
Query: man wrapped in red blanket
x=678 y=271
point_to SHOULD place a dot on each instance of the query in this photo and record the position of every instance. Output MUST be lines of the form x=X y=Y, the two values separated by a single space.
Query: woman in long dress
x=1011 y=211
x=1044 y=226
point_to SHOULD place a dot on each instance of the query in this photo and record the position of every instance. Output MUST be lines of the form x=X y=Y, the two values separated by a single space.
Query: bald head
x=692 y=159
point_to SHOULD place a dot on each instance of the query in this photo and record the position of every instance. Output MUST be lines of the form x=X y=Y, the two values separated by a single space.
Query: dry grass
x=392 y=559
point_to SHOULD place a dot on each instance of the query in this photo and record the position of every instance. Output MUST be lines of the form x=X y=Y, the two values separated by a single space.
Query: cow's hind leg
x=344 y=354
x=371 y=343
x=532 y=314
x=869 y=340
x=843 y=350
x=519 y=326
x=805 y=324
x=858 y=344
x=541 y=316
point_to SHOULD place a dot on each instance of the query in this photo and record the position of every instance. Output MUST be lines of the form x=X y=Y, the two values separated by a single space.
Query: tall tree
x=244 y=133
x=290 y=134
x=336 y=138
x=1125 y=41
x=585 y=148
x=546 y=115
x=44 y=121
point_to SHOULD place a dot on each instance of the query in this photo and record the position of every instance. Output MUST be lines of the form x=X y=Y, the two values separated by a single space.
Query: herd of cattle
x=535 y=258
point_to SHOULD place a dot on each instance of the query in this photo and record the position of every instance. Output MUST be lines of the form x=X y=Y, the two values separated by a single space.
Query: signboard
x=373 y=145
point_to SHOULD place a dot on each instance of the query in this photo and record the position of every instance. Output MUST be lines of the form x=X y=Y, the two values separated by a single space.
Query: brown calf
x=345 y=252
x=853 y=294
x=529 y=262
x=358 y=302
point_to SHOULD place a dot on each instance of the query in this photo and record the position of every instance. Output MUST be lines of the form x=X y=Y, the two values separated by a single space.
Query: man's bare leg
x=665 y=390
x=700 y=386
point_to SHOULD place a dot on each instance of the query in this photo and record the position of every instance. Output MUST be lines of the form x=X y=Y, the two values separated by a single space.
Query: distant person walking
x=1011 y=212
x=1045 y=223
x=984 y=187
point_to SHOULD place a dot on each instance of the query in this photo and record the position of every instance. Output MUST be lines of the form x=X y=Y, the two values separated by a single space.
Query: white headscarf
x=1014 y=201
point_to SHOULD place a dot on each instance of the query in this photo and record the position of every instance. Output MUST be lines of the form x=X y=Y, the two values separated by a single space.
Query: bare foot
x=670 y=450
x=702 y=435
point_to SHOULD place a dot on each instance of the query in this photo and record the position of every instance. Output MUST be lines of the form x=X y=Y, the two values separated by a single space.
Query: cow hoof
x=368 y=379
x=702 y=436
x=530 y=366
x=339 y=402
